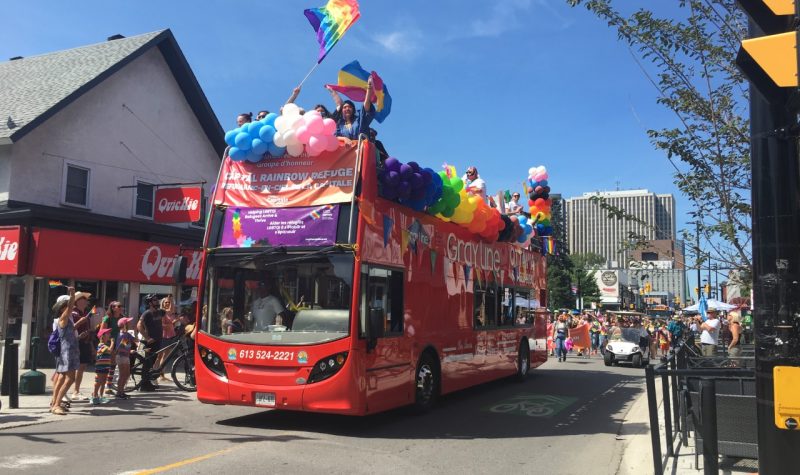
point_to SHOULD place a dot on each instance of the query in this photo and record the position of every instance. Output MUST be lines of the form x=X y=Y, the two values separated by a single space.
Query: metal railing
x=682 y=364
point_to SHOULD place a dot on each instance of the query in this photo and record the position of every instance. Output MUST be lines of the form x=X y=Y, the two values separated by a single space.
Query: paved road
x=563 y=419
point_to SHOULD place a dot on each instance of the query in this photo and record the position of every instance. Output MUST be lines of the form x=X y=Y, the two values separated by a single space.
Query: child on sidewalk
x=124 y=342
x=102 y=365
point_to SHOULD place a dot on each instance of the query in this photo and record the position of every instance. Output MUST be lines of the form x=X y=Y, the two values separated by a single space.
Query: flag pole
x=309 y=74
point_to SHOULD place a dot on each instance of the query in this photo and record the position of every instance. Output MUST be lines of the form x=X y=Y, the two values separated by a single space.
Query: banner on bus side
x=289 y=181
x=255 y=227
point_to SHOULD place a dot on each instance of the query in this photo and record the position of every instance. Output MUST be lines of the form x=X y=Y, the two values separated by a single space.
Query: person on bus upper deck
x=267 y=309
x=473 y=183
x=350 y=123
x=513 y=206
x=244 y=118
x=262 y=114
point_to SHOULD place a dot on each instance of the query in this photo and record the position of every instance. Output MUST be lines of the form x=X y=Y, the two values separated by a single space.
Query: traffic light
x=648 y=288
x=707 y=289
x=697 y=291
x=770 y=61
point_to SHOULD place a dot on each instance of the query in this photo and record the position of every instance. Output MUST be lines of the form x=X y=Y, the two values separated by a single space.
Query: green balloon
x=456 y=184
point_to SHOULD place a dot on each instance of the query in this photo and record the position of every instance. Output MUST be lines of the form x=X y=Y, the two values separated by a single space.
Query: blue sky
x=503 y=85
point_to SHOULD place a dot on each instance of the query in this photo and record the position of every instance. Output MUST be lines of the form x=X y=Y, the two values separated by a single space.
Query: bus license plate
x=265 y=399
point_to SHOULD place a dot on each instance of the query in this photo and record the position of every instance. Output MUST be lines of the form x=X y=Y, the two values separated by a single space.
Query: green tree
x=690 y=60
x=582 y=274
x=559 y=283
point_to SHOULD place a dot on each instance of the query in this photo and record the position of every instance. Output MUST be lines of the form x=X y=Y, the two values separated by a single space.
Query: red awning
x=94 y=257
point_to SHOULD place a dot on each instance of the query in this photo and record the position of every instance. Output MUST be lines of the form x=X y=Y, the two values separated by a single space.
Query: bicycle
x=180 y=354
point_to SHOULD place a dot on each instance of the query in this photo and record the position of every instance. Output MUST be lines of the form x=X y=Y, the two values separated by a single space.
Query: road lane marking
x=181 y=463
x=27 y=460
x=533 y=405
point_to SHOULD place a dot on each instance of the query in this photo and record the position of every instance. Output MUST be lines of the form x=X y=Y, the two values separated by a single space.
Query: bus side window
x=383 y=289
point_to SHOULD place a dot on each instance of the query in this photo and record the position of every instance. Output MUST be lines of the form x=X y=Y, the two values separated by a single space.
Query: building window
x=143 y=207
x=76 y=186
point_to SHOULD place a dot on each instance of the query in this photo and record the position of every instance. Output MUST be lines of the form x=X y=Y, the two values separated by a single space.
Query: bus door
x=389 y=369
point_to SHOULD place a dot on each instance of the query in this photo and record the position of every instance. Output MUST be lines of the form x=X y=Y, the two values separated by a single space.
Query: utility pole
x=697 y=228
x=770 y=63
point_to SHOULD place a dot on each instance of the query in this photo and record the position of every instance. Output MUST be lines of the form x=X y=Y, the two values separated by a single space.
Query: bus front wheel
x=427 y=383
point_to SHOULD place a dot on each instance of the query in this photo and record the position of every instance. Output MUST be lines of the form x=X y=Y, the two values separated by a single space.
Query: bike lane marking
x=181 y=463
x=532 y=405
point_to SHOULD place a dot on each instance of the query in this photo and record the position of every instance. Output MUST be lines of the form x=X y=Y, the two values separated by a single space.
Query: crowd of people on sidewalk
x=108 y=346
x=657 y=336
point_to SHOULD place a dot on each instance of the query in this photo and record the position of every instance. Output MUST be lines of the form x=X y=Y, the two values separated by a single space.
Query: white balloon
x=295 y=122
x=531 y=171
x=290 y=137
x=295 y=149
x=277 y=139
x=281 y=124
x=290 y=109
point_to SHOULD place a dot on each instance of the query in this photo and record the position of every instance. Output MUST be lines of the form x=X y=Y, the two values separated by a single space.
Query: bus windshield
x=278 y=298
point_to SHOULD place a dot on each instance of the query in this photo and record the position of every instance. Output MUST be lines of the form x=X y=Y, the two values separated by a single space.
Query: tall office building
x=590 y=229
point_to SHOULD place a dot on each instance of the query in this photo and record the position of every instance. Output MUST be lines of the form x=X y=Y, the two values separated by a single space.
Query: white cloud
x=403 y=42
x=505 y=16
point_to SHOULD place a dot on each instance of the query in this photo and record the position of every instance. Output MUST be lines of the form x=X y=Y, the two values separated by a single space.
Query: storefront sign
x=256 y=227
x=178 y=205
x=289 y=182
x=11 y=250
x=93 y=257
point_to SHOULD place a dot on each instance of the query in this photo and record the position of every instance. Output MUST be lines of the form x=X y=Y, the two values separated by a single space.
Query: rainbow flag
x=548 y=245
x=352 y=82
x=331 y=22
x=55 y=283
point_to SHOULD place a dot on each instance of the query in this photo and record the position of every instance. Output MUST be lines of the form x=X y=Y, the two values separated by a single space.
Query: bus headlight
x=327 y=367
x=212 y=361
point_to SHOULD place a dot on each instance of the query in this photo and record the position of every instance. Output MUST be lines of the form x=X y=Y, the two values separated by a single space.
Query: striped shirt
x=103 y=357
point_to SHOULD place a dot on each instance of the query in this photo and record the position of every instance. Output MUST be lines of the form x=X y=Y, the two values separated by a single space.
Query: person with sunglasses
x=513 y=206
x=473 y=183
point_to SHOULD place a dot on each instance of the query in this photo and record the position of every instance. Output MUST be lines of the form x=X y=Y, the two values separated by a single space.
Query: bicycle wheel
x=135 y=379
x=183 y=373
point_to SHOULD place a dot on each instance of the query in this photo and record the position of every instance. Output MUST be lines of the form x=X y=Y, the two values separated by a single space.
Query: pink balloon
x=303 y=134
x=315 y=126
x=328 y=126
x=316 y=141
x=331 y=144
x=538 y=177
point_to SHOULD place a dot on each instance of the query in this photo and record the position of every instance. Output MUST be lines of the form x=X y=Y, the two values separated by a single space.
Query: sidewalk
x=637 y=455
x=35 y=409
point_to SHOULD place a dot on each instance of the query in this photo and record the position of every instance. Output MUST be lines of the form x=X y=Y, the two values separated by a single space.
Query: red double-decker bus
x=319 y=295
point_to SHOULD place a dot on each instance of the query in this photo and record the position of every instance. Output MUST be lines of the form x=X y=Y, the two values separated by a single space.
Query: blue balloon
x=270 y=119
x=230 y=137
x=253 y=157
x=267 y=133
x=255 y=127
x=236 y=154
x=243 y=141
x=543 y=183
x=523 y=220
x=259 y=147
x=522 y=237
x=276 y=151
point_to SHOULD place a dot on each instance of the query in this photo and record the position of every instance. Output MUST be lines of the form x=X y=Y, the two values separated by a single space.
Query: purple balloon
x=392 y=178
x=404 y=190
x=414 y=166
x=390 y=193
x=416 y=181
x=392 y=164
x=418 y=194
x=427 y=176
x=406 y=171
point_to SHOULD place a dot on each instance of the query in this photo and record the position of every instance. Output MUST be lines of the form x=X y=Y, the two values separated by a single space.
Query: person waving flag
x=331 y=22
x=352 y=82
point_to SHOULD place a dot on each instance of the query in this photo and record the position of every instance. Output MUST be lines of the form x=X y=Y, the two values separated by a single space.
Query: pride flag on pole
x=352 y=82
x=331 y=22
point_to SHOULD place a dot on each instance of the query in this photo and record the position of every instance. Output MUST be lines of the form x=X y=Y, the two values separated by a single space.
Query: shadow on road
x=553 y=402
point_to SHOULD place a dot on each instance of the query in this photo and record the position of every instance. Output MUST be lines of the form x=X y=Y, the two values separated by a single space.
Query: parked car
x=623 y=347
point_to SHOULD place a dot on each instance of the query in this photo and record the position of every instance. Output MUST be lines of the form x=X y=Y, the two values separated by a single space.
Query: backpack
x=676 y=328
x=54 y=343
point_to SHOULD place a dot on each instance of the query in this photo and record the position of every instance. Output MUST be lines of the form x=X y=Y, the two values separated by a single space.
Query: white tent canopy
x=711 y=303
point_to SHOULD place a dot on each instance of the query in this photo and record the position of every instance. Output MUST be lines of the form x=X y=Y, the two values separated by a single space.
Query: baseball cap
x=103 y=331
x=124 y=320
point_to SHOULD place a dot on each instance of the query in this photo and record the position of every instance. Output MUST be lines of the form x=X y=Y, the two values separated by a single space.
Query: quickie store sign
x=178 y=205
x=10 y=250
